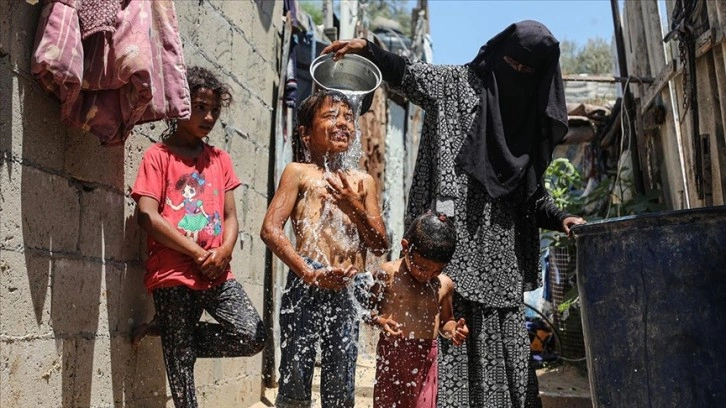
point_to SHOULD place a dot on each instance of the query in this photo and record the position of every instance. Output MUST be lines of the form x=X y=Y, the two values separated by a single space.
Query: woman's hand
x=342 y=47
x=568 y=222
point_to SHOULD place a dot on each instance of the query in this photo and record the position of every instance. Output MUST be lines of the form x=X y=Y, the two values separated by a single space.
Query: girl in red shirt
x=185 y=201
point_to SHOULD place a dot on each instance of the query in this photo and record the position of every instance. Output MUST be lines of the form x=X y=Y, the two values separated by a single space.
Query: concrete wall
x=70 y=250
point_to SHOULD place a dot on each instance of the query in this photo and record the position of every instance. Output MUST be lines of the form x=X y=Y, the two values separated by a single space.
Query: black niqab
x=522 y=113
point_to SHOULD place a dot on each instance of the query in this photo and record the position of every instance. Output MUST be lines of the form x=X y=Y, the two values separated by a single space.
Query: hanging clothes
x=110 y=77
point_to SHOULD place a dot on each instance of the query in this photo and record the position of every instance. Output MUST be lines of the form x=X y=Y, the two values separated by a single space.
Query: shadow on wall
x=81 y=254
x=265 y=10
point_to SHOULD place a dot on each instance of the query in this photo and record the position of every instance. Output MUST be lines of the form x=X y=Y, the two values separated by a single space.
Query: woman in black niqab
x=522 y=113
x=488 y=134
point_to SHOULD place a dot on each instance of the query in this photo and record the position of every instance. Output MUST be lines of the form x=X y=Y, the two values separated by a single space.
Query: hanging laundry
x=112 y=64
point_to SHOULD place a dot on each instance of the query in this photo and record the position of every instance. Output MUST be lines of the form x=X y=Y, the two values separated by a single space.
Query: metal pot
x=353 y=75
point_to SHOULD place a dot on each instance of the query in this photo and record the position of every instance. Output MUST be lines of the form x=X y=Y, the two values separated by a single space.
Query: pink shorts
x=406 y=373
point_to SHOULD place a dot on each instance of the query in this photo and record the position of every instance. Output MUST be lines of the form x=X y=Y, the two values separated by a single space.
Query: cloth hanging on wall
x=110 y=78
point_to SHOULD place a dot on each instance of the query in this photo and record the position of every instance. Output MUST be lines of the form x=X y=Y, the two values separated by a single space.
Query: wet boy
x=336 y=221
x=412 y=303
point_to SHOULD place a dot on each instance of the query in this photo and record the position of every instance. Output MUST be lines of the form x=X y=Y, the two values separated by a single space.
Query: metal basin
x=353 y=75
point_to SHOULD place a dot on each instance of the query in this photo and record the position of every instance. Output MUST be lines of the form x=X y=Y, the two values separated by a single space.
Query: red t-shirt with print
x=190 y=192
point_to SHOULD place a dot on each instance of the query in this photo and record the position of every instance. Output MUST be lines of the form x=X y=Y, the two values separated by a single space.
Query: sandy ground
x=564 y=386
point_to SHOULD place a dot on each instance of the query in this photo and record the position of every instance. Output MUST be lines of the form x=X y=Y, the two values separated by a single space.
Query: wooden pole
x=628 y=102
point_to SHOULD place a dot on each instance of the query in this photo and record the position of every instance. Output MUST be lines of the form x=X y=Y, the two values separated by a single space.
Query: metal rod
x=576 y=78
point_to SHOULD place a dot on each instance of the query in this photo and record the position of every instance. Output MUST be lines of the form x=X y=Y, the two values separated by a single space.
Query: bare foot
x=145 y=329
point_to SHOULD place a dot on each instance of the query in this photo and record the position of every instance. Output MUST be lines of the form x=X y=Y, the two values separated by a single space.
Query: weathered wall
x=689 y=166
x=70 y=250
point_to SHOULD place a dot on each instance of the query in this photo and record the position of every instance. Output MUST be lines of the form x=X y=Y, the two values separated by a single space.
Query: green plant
x=565 y=184
x=613 y=196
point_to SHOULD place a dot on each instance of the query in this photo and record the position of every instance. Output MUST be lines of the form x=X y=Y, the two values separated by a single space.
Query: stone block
x=135 y=304
x=23 y=24
x=25 y=294
x=93 y=163
x=134 y=235
x=37 y=134
x=240 y=14
x=6 y=8
x=210 y=33
x=217 y=373
x=78 y=297
x=39 y=210
x=103 y=226
x=32 y=373
x=255 y=206
x=134 y=147
x=261 y=162
x=267 y=26
x=11 y=231
x=251 y=65
x=145 y=383
x=242 y=159
x=92 y=369
x=248 y=267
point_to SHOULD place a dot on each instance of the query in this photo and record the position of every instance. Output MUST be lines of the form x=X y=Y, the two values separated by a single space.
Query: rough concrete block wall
x=70 y=250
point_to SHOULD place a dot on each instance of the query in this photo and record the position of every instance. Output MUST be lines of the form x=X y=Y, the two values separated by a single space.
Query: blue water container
x=653 y=297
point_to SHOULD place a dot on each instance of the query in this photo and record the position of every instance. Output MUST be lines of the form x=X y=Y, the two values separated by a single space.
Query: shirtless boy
x=412 y=303
x=336 y=221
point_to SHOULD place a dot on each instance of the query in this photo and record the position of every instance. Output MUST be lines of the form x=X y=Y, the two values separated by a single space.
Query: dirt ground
x=564 y=386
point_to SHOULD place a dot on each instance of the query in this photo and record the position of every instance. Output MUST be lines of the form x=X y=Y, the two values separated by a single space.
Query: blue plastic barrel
x=653 y=296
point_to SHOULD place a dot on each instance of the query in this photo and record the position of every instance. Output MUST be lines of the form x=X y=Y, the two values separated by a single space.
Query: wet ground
x=564 y=386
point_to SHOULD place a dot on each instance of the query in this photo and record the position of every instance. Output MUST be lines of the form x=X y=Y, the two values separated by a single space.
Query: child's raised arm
x=449 y=328
x=360 y=202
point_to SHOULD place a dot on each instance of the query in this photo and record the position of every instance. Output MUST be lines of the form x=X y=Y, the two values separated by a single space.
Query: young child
x=185 y=195
x=336 y=221
x=412 y=304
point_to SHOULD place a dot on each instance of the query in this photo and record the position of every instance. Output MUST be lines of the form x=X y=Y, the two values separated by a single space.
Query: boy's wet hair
x=433 y=236
x=198 y=78
x=311 y=104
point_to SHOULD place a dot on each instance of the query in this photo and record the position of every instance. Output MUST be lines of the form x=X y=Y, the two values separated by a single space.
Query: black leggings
x=184 y=338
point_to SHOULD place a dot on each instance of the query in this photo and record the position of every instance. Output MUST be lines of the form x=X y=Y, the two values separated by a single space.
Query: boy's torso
x=412 y=304
x=323 y=232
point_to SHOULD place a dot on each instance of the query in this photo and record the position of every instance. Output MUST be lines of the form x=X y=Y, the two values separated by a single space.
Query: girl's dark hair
x=198 y=78
x=312 y=103
x=433 y=236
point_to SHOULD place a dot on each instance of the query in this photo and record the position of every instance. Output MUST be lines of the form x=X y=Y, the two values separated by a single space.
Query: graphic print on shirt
x=195 y=219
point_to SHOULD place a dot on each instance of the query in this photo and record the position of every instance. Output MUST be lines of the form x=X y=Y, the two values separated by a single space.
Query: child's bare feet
x=145 y=329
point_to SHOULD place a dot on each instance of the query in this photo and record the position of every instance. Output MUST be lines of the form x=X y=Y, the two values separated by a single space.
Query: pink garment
x=406 y=373
x=112 y=80
x=98 y=15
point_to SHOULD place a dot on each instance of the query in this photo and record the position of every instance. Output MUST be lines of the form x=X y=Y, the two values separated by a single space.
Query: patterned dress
x=498 y=246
